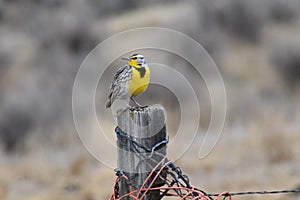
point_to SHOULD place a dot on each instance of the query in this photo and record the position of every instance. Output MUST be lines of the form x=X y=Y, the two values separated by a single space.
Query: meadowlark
x=130 y=80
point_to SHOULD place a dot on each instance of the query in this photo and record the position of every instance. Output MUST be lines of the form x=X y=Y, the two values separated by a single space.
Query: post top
x=142 y=122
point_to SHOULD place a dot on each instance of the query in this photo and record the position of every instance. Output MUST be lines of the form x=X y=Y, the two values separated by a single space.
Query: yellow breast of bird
x=139 y=80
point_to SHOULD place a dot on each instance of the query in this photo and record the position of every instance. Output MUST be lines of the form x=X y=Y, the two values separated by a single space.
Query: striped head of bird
x=136 y=60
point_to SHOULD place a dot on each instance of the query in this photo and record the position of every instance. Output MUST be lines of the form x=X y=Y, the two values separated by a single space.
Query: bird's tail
x=108 y=103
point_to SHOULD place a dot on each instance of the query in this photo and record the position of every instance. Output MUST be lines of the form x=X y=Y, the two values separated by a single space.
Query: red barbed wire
x=187 y=192
x=175 y=183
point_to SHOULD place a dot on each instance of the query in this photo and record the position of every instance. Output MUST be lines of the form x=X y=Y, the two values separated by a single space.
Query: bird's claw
x=138 y=108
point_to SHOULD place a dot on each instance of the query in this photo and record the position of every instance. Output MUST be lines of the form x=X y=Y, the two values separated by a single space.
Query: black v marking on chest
x=141 y=70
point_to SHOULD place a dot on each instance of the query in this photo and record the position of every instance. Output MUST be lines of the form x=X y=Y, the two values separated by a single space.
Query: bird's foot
x=138 y=108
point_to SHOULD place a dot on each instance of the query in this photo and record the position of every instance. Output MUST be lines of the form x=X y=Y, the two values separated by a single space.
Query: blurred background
x=255 y=44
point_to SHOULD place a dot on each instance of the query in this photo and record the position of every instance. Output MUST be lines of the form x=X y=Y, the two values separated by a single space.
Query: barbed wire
x=261 y=192
x=175 y=183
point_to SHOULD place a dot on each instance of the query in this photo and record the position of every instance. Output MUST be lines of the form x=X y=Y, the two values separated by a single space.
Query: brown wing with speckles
x=119 y=85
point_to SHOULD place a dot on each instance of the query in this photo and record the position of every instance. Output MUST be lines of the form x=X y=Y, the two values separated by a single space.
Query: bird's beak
x=125 y=59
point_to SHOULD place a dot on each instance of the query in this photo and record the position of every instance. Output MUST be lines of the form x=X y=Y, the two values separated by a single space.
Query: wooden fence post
x=142 y=130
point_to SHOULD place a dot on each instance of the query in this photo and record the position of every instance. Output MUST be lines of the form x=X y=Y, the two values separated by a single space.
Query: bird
x=130 y=80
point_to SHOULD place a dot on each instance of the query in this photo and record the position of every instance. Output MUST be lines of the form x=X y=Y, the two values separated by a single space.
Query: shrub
x=14 y=127
x=239 y=18
x=283 y=10
x=286 y=59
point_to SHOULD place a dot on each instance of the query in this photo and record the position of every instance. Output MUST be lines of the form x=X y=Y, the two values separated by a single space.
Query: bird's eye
x=134 y=58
